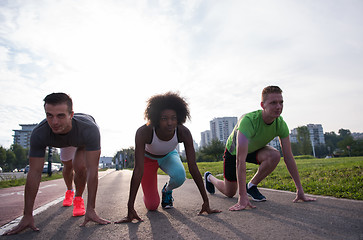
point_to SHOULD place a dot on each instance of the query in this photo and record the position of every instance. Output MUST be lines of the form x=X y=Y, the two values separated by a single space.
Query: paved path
x=277 y=218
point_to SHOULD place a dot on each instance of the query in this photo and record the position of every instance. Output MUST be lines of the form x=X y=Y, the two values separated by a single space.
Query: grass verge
x=13 y=182
x=337 y=177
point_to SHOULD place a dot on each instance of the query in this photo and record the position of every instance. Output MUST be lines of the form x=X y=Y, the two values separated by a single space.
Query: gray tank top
x=84 y=133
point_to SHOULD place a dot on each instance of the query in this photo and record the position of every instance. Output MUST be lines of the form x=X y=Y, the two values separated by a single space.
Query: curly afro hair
x=170 y=100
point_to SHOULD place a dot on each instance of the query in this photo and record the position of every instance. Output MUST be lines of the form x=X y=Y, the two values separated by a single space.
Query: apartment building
x=205 y=138
x=221 y=128
x=22 y=137
x=316 y=134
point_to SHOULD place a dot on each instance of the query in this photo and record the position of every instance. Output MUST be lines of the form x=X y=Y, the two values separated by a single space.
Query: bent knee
x=230 y=195
x=275 y=157
x=230 y=189
x=152 y=204
x=178 y=181
x=272 y=157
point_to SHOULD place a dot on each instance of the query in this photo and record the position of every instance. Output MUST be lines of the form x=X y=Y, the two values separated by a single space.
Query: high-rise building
x=293 y=135
x=22 y=137
x=221 y=128
x=316 y=134
x=206 y=138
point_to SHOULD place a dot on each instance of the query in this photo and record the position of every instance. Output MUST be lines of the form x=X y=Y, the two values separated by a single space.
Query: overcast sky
x=111 y=56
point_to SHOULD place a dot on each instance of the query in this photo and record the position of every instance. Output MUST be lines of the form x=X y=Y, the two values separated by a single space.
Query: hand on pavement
x=303 y=198
x=206 y=208
x=91 y=216
x=25 y=222
x=130 y=216
x=242 y=204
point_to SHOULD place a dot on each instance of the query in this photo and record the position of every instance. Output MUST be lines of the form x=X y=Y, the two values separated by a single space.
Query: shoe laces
x=77 y=202
x=254 y=190
x=69 y=194
x=168 y=196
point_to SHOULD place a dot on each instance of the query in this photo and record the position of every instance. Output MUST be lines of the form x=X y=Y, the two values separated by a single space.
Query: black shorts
x=229 y=164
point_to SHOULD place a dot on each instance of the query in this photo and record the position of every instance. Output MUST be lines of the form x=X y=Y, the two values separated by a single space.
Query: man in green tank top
x=248 y=143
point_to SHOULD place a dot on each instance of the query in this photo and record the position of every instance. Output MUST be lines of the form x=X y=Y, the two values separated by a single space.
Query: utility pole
x=50 y=155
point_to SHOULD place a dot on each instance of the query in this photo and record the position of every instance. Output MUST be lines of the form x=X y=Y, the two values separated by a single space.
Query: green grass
x=337 y=177
x=13 y=182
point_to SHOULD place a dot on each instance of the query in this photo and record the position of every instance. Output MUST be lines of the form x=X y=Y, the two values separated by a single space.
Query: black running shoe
x=167 y=198
x=255 y=194
x=208 y=185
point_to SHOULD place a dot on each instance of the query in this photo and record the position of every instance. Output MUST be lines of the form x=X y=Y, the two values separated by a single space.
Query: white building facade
x=205 y=138
x=221 y=128
x=316 y=134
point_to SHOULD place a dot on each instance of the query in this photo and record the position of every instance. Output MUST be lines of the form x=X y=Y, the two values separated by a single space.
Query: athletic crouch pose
x=155 y=147
x=248 y=143
x=78 y=137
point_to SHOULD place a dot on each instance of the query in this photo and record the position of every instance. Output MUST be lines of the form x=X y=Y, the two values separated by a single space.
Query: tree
x=346 y=142
x=331 y=141
x=321 y=150
x=295 y=149
x=2 y=156
x=55 y=155
x=357 y=148
x=212 y=152
x=303 y=138
x=344 y=132
x=10 y=161
x=127 y=157
x=20 y=154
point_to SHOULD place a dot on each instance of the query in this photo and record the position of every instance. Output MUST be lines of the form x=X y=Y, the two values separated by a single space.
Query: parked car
x=59 y=166
x=54 y=168
x=26 y=169
x=1 y=169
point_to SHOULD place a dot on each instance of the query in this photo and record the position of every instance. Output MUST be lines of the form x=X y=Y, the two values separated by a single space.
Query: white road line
x=15 y=222
x=22 y=192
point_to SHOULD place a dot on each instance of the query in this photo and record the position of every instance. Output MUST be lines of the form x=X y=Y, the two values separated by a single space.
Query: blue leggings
x=171 y=164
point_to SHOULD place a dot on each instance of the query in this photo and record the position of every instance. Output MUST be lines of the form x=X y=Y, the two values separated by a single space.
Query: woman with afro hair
x=155 y=146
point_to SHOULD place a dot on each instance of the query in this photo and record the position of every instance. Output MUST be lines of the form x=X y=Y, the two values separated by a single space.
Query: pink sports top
x=160 y=147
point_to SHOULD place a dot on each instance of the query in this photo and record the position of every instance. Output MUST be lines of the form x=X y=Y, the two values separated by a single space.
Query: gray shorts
x=67 y=153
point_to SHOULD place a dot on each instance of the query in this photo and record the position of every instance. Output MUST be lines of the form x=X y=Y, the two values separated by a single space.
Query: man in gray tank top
x=78 y=137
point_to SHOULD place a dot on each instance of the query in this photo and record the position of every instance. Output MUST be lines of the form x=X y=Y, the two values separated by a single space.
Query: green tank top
x=256 y=131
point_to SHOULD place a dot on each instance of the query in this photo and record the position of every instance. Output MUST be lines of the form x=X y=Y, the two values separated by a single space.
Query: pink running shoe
x=78 y=207
x=68 y=199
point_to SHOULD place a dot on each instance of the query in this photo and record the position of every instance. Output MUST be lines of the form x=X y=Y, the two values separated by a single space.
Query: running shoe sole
x=257 y=200
x=208 y=185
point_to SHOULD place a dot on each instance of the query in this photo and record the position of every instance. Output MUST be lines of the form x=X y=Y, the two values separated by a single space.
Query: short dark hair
x=269 y=89
x=170 y=100
x=59 y=98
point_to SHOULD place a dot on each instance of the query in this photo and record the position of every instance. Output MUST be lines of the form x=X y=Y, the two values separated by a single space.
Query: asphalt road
x=277 y=218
